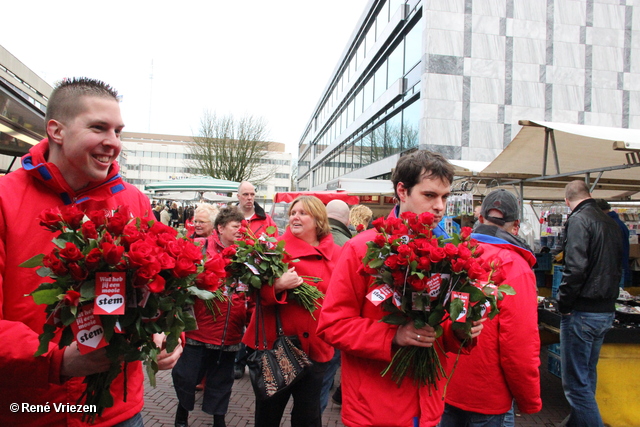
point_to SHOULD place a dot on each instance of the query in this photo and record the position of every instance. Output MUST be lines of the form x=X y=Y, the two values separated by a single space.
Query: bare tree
x=232 y=149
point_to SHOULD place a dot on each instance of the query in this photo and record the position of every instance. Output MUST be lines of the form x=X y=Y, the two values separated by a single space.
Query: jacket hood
x=496 y=236
x=334 y=223
x=297 y=247
x=35 y=164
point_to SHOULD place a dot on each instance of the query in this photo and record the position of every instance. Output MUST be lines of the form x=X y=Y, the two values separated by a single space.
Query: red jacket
x=351 y=323
x=212 y=330
x=260 y=221
x=505 y=363
x=317 y=261
x=24 y=194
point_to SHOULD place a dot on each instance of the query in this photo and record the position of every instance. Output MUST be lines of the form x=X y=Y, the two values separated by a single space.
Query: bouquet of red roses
x=426 y=280
x=261 y=260
x=115 y=282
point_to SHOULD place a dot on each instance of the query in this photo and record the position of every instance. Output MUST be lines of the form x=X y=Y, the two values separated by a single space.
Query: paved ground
x=160 y=405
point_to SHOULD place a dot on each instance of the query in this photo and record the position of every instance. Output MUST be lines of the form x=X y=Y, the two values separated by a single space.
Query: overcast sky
x=268 y=58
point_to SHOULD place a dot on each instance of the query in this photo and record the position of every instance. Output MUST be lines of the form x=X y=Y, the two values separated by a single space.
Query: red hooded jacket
x=351 y=323
x=317 y=261
x=212 y=330
x=505 y=363
x=24 y=194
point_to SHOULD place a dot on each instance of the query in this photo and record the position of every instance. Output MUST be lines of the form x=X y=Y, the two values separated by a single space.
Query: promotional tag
x=117 y=328
x=88 y=331
x=109 y=293
x=415 y=298
x=433 y=284
x=253 y=269
x=464 y=297
x=397 y=300
x=380 y=294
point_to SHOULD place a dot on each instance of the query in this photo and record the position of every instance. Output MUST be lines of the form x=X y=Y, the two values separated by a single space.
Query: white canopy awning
x=544 y=156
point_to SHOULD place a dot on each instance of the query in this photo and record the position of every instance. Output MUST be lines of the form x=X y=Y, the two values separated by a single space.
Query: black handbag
x=274 y=370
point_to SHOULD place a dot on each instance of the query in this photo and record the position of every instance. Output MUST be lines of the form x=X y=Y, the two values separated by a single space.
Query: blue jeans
x=510 y=417
x=135 y=421
x=581 y=336
x=327 y=382
x=456 y=417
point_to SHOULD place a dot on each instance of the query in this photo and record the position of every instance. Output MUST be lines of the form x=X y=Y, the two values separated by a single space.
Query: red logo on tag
x=109 y=293
x=379 y=294
x=88 y=330
x=434 y=284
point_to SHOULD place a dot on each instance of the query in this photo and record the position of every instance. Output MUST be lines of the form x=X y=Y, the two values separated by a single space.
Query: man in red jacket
x=505 y=363
x=253 y=213
x=76 y=164
x=351 y=323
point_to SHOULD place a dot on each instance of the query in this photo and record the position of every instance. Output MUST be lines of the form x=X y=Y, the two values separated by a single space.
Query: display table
x=618 y=389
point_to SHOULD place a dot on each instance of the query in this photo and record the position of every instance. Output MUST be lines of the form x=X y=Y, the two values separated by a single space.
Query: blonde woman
x=360 y=217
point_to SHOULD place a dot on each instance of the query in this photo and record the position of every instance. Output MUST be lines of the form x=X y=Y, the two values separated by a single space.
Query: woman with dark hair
x=308 y=239
x=211 y=349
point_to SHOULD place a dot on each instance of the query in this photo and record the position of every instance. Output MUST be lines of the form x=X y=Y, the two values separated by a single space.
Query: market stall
x=536 y=166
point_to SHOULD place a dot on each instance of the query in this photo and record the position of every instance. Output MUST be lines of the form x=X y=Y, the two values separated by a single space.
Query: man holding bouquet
x=74 y=165
x=350 y=321
x=507 y=355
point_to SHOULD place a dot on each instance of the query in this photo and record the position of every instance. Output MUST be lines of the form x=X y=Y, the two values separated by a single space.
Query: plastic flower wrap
x=257 y=261
x=114 y=282
x=426 y=280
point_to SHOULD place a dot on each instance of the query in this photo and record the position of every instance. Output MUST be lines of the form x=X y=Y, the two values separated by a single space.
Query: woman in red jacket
x=308 y=239
x=211 y=349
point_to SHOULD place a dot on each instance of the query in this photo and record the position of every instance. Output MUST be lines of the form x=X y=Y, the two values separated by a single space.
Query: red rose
x=465 y=233
x=457 y=265
x=426 y=218
x=99 y=217
x=78 y=273
x=140 y=253
x=404 y=251
x=184 y=267
x=476 y=272
x=464 y=252
x=54 y=263
x=72 y=216
x=208 y=281
x=451 y=250
x=391 y=262
x=93 y=259
x=112 y=254
x=437 y=254
x=71 y=252
x=378 y=223
x=116 y=223
x=398 y=277
x=216 y=265
x=157 y=284
x=159 y=228
x=190 y=250
x=229 y=252
x=131 y=234
x=89 y=230
x=51 y=219
x=424 y=263
x=146 y=273
x=360 y=228
x=166 y=261
x=416 y=283
x=380 y=240
x=71 y=297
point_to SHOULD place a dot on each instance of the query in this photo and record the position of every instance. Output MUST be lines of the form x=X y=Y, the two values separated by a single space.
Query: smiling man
x=75 y=165
x=351 y=323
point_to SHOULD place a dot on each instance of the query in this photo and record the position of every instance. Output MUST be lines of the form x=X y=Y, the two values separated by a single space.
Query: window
x=393 y=136
x=411 y=126
x=413 y=48
x=358 y=104
x=367 y=94
x=395 y=64
x=365 y=144
x=282 y=175
x=281 y=189
x=380 y=84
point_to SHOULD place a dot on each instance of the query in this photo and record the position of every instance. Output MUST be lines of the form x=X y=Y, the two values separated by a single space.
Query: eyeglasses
x=201 y=222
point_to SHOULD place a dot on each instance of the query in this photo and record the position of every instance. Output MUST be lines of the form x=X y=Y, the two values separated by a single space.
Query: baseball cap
x=503 y=201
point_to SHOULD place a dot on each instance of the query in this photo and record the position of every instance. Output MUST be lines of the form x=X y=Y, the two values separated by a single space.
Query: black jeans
x=196 y=362
x=306 y=402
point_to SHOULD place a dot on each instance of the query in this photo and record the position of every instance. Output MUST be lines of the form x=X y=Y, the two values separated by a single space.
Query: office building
x=456 y=76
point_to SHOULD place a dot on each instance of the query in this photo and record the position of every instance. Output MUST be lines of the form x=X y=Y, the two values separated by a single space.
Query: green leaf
x=44 y=272
x=46 y=336
x=376 y=263
x=455 y=308
x=88 y=290
x=46 y=296
x=61 y=243
x=396 y=318
x=36 y=261
x=200 y=293
x=506 y=289
x=271 y=230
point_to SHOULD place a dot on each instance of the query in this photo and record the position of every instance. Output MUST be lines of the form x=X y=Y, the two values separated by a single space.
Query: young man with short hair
x=351 y=323
x=75 y=165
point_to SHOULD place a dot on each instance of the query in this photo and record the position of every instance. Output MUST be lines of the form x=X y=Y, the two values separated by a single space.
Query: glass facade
x=368 y=113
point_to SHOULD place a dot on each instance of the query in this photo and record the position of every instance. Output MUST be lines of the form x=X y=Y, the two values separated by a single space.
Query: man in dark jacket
x=624 y=230
x=586 y=299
